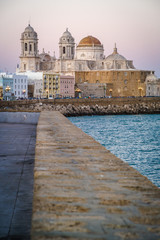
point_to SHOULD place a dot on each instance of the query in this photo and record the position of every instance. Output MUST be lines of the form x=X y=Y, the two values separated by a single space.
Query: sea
x=133 y=138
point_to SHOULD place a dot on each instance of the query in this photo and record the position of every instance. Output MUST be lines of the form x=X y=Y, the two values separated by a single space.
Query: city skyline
x=132 y=25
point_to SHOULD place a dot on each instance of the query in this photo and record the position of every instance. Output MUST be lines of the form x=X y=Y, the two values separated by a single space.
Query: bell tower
x=29 y=58
x=66 y=46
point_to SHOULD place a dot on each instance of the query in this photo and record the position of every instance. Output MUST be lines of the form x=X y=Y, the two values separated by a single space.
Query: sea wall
x=19 y=117
x=77 y=107
x=83 y=191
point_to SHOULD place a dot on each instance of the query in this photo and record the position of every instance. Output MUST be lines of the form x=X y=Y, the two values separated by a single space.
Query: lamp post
x=47 y=92
x=7 y=89
x=110 y=91
x=40 y=91
x=104 y=90
x=24 y=92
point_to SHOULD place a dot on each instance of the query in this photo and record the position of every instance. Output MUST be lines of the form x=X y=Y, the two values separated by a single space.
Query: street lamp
x=24 y=92
x=47 y=92
x=105 y=90
x=40 y=91
x=110 y=91
x=7 y=89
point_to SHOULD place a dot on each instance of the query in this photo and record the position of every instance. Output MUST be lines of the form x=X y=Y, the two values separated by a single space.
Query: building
x=20 y=86
x=56 y=85
x=8 y=93
x=86 y=62
x=67 y=86
x=51 y=85
x=35 y=84
x=152 y=85
x=122 y=83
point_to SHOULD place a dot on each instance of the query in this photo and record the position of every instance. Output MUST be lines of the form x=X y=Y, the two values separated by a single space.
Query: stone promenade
x=82 y=191
x=17 y=149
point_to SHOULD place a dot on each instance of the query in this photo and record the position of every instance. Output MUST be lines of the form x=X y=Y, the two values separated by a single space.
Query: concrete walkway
x=17 y=149
x=82 y=191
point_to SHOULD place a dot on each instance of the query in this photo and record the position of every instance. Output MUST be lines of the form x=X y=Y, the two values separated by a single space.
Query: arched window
x=64 y=50
x=25 y=46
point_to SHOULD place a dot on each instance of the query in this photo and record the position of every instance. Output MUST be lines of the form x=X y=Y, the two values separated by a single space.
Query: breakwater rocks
x=78 y=107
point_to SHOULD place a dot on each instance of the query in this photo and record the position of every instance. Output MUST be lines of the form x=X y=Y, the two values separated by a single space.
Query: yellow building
x=122 y=83
x=51 y=85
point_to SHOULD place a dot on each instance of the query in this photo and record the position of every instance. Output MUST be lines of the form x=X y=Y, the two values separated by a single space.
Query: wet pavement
x=17 y=150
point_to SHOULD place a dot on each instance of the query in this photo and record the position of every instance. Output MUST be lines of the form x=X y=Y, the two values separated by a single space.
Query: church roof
x=151 y=77
x=89 y=41
x=29 y=28
x=115 y=55
x=66 y=33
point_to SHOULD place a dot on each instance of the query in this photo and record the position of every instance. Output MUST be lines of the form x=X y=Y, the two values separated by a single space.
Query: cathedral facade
x=86 y=62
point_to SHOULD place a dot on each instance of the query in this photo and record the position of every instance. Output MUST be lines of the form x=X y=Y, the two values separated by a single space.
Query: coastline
x=80 y=107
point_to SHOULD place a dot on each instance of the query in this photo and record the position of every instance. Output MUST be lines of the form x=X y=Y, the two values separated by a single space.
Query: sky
x=134 y=25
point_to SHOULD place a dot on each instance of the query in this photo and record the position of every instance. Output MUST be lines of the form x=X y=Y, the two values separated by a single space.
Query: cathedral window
x=24 y=66
x=64 y=50
x=25 y=46
x=72 y=50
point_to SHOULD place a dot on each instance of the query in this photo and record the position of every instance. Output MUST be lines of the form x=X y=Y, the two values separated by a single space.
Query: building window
x=125 y=73
x=125 y=81
x=24 y=66
x=72 y=50
x=64 y=50
x=25 y=46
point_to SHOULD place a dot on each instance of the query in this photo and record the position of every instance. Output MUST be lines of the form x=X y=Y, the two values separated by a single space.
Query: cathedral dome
x=66 y=33
x=89 y=41
x=115 y=56
x=66 y=37
x=151 y=77
x=29 y=32
x=29 y=28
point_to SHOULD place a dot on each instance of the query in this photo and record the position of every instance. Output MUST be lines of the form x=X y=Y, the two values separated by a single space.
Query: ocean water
x=133 y=138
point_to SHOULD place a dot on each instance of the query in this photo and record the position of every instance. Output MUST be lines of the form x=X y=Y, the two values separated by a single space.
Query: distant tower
x=66 y=46
x=29 y=58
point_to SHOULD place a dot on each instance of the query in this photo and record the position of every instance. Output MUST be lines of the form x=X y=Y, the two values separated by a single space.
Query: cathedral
x=86 y=62
x=88 y=55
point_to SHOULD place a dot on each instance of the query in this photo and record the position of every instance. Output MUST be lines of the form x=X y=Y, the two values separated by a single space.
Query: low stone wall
x=82 y=191
x=77 y=107
x=19 y=117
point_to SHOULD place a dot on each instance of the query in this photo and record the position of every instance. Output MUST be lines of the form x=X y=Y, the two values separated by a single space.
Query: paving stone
x=82 y=191
x=16 y=179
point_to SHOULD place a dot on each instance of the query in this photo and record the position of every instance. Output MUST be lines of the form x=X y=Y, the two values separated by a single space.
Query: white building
x=152 y=85
x=35 y=83
x=20 y=86
x=86 y=56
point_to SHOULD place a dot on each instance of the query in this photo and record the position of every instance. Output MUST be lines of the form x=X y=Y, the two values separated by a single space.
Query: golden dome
x=89 y=41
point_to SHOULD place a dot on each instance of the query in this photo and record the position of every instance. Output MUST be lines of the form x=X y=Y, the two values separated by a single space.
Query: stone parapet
x=77 y=107
x=83 y=191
